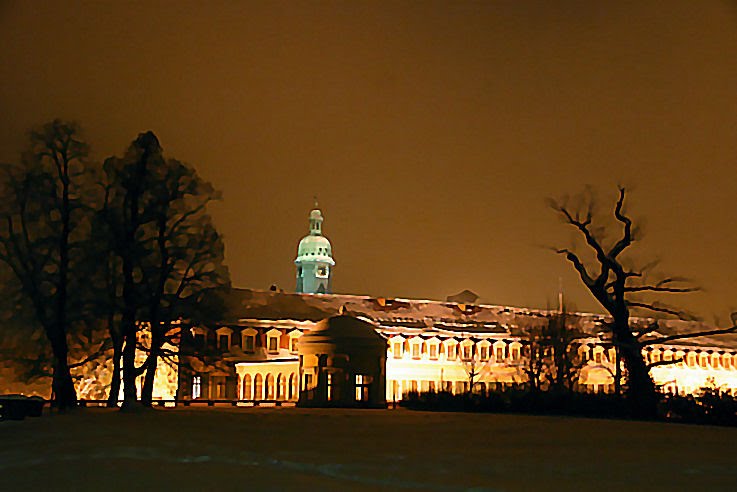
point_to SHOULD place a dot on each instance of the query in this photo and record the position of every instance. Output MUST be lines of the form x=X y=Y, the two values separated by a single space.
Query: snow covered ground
x=301 y=449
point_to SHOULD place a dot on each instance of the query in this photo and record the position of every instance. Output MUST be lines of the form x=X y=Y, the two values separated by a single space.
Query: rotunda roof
x=344 y=332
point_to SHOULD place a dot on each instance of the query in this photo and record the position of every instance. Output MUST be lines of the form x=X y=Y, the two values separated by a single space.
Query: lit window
x=515 y=353
x=655 y=357
x=597 y=357
x=484 y=353
x=500 y=353
x=293 y=344
x=691 y=359
x=433 y=351
x=273 y=344
x=415 y=350
x=451 y=352
x=397 y=350
x=466 y=352
x=196 y=387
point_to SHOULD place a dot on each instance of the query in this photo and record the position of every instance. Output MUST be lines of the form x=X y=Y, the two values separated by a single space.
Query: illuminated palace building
x=318 y=348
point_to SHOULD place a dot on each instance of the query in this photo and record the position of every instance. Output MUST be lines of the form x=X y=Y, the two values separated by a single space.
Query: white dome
x=315 y=248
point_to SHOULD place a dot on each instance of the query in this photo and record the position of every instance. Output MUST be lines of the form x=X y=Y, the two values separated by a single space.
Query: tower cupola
x=314 y=259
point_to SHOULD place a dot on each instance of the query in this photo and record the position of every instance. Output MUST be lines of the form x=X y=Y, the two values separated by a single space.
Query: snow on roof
x=427 y=315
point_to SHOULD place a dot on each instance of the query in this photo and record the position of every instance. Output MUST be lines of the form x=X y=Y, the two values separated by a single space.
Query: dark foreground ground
x=296 y=449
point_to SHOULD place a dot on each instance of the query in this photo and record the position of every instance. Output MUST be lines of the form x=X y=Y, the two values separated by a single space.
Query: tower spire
x=316 y=204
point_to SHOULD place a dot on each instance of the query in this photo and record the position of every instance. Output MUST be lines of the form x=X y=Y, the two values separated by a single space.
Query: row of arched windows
x=267 y=387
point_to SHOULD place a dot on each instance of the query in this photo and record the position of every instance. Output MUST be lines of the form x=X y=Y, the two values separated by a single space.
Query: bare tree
x=168 y=250
x=44 y=221
x=617 y=288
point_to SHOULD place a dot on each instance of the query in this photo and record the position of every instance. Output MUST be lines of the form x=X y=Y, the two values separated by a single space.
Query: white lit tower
x=315 y=259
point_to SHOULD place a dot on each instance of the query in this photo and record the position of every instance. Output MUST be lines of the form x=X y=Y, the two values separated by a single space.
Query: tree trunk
x=641 y=392
x=62 y=386
x=114 y=394
x=147 y=391
x=130 y=394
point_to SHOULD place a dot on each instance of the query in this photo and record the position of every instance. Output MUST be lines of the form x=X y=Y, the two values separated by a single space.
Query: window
x=597 y=357
x=224 y=342
x=281 y=387
x=484 y=352
x=258 y=387
x=291 y=389
x=322 y=271
x=293 y=344
x=196 y=387
x=269 y=386
x=451 y=351
x=515 y=353
x=691 y=359
x=220 y=388
x=655 y=356
x=397 y=350
x=433 y=351
x=466 y=352
x=273 y=344
x=249 y=341
x=415 y=350
x=246 y=388
x=500 y=353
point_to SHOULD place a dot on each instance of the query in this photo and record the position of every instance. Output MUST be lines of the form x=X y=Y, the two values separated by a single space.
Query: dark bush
x=708 y=407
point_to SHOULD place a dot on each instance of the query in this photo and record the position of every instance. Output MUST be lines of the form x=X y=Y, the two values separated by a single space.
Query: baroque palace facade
x=315 y=347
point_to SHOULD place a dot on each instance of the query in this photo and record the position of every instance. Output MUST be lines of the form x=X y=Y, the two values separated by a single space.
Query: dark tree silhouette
x=169 y=253
x=188 y=268
x=551 y=354
x=127 y=198
x=44 y=221
x=616 y=287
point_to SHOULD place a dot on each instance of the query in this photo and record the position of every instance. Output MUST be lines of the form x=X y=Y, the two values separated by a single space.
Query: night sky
x=431 y=132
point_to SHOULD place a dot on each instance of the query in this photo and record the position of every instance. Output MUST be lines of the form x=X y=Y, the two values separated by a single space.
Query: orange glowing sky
x=430 y=131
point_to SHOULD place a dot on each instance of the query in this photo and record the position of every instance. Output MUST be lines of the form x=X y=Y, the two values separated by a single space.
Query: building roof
x=426 y=316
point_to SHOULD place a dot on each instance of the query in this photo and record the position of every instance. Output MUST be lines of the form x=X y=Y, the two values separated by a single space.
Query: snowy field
x=299 y=449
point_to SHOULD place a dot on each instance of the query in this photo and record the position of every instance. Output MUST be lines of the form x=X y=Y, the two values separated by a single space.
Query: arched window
x=291 y=390
x=281 y=389
x=269 y=387
x=258 y=389
x=246 y=391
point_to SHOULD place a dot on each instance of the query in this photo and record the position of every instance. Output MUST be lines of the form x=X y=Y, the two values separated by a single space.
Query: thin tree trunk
x=114 y=394
x=62 y=385
x=147 y=390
